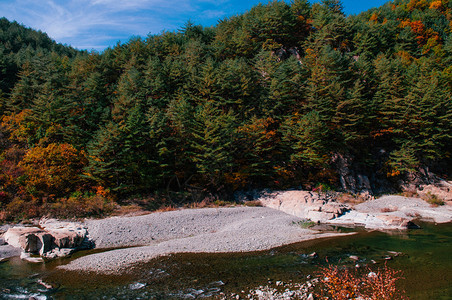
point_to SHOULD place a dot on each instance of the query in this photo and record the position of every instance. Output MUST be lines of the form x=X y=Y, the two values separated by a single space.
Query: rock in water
x=52 y=242
x=17 y=236
x=27 y=257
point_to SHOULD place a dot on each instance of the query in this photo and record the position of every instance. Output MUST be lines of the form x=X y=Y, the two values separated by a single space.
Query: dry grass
x=209 y=203
x=352 y=199
x=388 y=209
x=433 y=199
x=166 y=208
x=253 y=203
x=129 y=210
x=410 y=194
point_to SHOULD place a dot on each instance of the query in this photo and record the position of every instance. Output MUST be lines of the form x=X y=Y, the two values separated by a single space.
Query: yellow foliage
x=436 y=5
x=17 y=125
x=53 y=169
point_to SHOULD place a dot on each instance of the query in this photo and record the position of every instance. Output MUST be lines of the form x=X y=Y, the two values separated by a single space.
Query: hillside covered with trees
x=277 y=97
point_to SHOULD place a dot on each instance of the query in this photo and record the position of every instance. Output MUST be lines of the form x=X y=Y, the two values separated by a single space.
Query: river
x=425 y=259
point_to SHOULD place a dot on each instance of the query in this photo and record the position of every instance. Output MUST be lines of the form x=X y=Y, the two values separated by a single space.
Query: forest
x=266 y=99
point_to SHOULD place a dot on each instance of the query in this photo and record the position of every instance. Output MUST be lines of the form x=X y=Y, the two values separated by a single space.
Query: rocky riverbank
x=233 y=229
x=384 y=213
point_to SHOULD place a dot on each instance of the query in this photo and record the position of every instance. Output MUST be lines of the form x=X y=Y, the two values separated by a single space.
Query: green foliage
x=433 y=199
x=305 y=223
x=263 y=99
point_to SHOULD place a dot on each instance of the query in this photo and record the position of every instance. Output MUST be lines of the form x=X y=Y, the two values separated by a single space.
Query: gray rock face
x=349 y=178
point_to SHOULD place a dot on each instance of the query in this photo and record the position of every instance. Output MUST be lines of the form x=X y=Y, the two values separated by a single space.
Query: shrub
x=305 y=223
x=341 y=283
x=433 y=199
x=338 y=284
x=78 y=205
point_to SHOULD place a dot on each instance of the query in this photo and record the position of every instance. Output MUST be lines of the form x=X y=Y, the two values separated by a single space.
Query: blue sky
x=98 y=24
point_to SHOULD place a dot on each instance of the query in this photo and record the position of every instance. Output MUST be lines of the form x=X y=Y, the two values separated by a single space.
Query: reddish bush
x=340 y=283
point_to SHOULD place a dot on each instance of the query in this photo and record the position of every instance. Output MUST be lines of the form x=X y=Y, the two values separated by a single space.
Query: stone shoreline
x=235 y=229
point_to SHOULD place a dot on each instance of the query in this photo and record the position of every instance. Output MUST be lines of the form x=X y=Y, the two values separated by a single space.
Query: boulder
x=66 y=234
x=67 y=238
x=27 y=257
x=17 y=236
x=395 y=221
x=59 y=252
x=7 y=251
x=52 y=241
x=317 y=207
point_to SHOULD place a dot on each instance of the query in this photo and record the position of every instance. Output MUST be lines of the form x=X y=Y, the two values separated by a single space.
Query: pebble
x=46 y=285
x=395 y=253
x=372 y=275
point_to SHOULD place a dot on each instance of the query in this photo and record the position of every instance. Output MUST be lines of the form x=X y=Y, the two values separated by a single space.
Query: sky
x=99 y=24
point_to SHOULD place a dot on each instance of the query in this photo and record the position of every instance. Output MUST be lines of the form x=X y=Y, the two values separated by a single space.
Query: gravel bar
x=212 y=230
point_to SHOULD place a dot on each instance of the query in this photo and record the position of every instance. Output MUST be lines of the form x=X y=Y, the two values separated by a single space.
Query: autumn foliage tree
x=266 y=98
x=53 y=171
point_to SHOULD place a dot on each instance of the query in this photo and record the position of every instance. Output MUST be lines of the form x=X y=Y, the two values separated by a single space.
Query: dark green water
x=426 y=263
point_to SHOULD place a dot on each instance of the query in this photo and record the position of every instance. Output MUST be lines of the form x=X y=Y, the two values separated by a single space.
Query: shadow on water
x=426 y=261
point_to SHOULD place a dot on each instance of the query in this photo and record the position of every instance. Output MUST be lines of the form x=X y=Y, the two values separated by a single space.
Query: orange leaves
x=338 y=284
x=393 y=173
x=417 y=27
x=381 y=284
x=343 y=284
x=101 y=191
x=382 y=132
x=374 y=18
x=259 y=126
x=18 y=126
x=436 y=5
x=54 y=169
x=424 y=35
